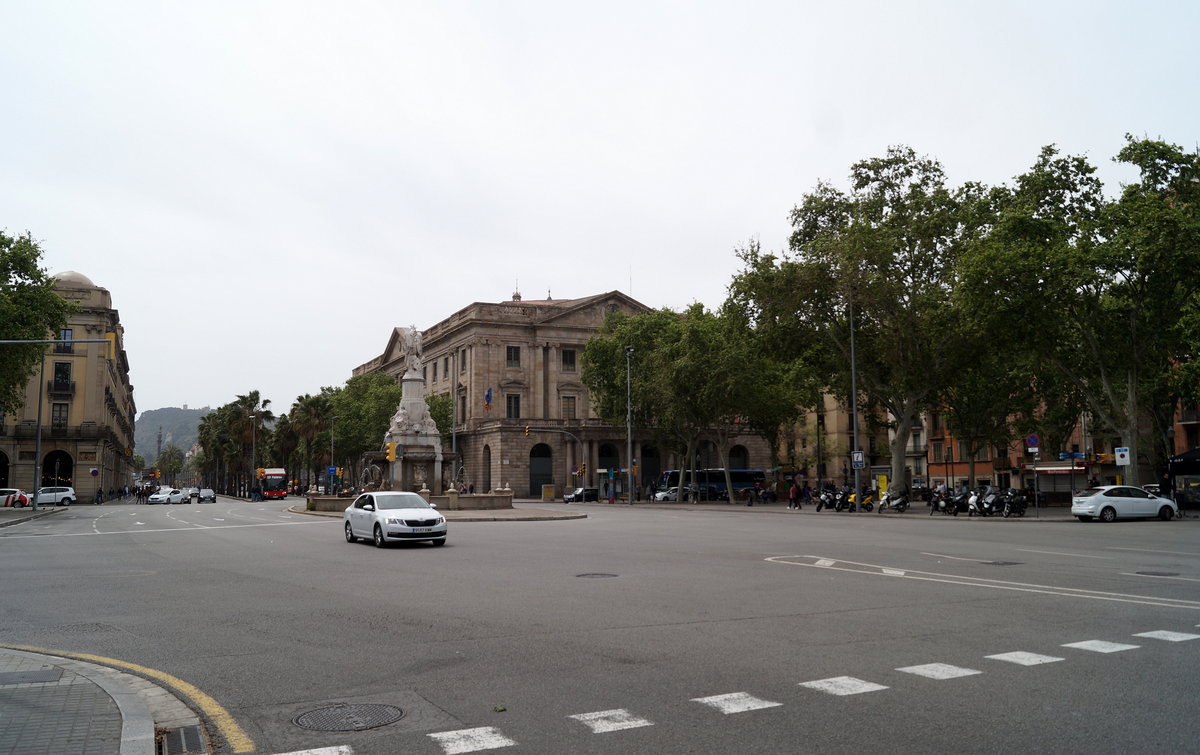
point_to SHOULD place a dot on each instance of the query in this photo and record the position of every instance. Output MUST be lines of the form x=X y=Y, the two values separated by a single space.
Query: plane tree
x=887 y=248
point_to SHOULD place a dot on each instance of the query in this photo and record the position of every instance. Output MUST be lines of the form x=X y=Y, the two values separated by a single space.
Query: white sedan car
x=391 y=516
x=1120 y=502
x=168 y=495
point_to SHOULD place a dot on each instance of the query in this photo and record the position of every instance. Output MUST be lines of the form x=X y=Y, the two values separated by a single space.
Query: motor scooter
x=897 y=501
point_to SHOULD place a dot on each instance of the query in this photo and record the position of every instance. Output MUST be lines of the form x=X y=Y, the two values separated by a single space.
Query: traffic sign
x=1032 y=440
x=858 y=460
x=1122 y=455
x=332 y=471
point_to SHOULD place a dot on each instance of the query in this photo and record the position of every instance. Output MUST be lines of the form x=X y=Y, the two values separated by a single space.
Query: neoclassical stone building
x=516 y=364
x=87 y=407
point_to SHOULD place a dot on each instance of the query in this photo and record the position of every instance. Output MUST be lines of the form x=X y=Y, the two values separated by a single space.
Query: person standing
x=793 y=497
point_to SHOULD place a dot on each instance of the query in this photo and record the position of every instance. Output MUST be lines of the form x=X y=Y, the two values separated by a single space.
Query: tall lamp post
x=332 y=420
x=949 y=461
x=629 y=422
x=253 y=453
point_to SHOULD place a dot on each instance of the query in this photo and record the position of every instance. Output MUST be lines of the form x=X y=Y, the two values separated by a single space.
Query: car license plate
x=422 y=529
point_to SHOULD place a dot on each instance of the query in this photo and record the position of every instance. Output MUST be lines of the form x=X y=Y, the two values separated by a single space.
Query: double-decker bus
x=274 y=483
x=741 y=479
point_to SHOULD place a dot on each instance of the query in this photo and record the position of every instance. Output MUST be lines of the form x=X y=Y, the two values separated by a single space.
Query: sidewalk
x=53 y=705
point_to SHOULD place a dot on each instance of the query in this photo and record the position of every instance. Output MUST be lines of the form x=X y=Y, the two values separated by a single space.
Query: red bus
x=274 y=483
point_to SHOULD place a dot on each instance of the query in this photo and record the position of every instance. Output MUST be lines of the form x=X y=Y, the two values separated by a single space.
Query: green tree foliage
x=1102 y=290
x=888 y=247
x=169 y=462
x=363 y=407
x=30 y=310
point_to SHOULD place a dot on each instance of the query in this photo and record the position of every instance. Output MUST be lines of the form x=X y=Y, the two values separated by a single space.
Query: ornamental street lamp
x=629 y=422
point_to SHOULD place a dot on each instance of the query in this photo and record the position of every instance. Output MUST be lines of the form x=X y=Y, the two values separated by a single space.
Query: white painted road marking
x=939 y=671
x=1100 y=646
x=820 y=562
x=471 y=740
x=735 y=702
x=339 y=750
x=1169 y=636
x=843 y=685
x=1158 y=576
x=1056 y=553
x=604 y=721
x=171 y=529
x=1021 y=658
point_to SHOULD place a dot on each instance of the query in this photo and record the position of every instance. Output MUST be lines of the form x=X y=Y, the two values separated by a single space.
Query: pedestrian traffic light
x=391 y=450
x=526 y=431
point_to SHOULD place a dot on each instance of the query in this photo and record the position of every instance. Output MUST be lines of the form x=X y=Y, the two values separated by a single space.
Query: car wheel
x=66 y=501
x=1108 y=514
x=379 y=541
x=1165 y=513
x=439 y=542
x=350 y=538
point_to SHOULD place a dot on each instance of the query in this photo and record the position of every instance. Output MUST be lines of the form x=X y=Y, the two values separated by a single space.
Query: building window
x=512 y=406
x=568 y=407
x=568 y=360
x=462 y=408
x=462 y=361
x=937 y=451
x=512 y=356
x=64 y=348
x=62 y=374
x=434 y=372
x=446 y=367
x=58 y=415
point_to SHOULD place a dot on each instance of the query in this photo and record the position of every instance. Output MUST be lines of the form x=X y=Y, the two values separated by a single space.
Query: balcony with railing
x=60 y=387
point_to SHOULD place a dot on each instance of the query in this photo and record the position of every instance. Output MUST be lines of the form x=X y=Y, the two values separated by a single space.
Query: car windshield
x=400 y=502
x=1088 y=493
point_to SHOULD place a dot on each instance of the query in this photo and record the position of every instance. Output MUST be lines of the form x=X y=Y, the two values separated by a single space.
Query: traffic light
x=583 y=469
x=260 y=473
x=391 y=450
x=526 y=431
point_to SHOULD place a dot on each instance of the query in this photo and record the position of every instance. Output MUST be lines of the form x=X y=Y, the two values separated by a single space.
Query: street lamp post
x=629 y=422
x=253 y=452
x=332 y=420
x=949 y=461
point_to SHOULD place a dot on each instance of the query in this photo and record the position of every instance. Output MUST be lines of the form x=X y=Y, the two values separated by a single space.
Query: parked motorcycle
x=865 y=501
x=825 y=499
x=897 y=501
x=942 y=503
x=1013 y=503
x=841 y=499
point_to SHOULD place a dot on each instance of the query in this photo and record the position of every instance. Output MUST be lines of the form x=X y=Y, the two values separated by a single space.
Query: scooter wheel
x=869 y=507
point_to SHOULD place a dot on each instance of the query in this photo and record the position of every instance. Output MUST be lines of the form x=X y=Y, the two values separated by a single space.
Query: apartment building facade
x=85 y=400
x=516 y=364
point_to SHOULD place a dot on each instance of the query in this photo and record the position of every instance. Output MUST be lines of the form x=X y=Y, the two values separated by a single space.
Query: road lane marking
x=233 y=734
x=821 y=562
x=957 y=558
x=1101 y=646
x=843 y=685
x=735 y=702
x=1158 y=576
x=338 y=750
x=939 y=671
x=1073 y=555
x=170 y=529
x=604 y=721
x=1147 y=550
x=1022 y=658
x=1169 y=636
x=471 y=740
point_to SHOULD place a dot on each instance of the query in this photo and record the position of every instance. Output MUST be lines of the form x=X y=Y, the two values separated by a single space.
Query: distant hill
x=180 y=427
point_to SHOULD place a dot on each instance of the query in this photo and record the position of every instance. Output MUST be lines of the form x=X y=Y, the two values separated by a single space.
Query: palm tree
x=309 y=418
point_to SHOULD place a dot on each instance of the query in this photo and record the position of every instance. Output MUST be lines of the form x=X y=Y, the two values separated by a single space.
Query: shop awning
x=1055 y=468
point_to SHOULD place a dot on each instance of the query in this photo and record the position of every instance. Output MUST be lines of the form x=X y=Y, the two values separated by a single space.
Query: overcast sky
x=267 y=188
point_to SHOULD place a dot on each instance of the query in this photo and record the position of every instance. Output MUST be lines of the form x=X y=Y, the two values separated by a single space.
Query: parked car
x=14 y=497
x=1112 y=502
x=581 y=495
x=57 y=496
x=168 y=495
x=207 y=494
x=393 y=516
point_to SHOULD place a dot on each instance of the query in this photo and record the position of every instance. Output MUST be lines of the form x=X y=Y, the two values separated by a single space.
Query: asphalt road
x=639 y=629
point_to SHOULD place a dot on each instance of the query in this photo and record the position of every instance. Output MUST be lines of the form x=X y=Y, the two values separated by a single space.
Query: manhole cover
x=595 y=576
x=1003 y=563
x=1159 y=573
x=345 y=717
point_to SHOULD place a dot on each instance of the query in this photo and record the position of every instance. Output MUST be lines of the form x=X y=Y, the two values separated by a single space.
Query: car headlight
x=394 y=520
x=440 y=520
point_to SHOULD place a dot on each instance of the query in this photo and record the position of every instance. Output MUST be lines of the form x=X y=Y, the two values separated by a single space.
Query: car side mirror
x=433 y=505
x=368 y=507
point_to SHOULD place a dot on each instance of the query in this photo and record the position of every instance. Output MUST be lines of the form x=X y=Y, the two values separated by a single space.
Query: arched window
x=739 y=458
x=486 y=481
x=541 y=469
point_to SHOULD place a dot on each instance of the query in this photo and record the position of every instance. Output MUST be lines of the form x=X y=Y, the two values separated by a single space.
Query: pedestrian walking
x=794 y=497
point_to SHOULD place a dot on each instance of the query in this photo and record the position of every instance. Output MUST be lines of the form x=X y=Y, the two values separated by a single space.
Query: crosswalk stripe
x=604 y=721
x=939 y=671
x=1169 y=636
x=1022 y=658
x=735 y=702
x=1100 y=646
x=471 y=740
x=843 y=685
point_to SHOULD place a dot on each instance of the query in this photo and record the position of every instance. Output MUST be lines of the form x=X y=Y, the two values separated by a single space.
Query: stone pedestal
x=418 y=461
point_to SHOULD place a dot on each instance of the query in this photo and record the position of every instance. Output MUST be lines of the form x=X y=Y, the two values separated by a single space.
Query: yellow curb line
x=220 y=717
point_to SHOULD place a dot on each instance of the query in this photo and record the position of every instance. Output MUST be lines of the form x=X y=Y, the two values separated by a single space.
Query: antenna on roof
x=516 y=290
